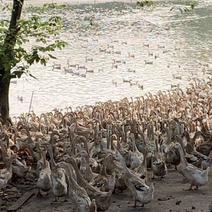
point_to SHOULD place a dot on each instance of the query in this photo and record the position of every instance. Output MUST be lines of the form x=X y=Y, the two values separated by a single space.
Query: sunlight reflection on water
x=151 y=49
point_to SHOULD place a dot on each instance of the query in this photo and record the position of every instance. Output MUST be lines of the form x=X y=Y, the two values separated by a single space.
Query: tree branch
x=15 y=17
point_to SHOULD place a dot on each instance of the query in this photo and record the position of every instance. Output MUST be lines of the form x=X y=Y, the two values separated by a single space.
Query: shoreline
x=131 y=99
x=74 y=2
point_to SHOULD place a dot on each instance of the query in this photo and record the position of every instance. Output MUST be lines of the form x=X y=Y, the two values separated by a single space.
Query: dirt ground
x=170 y=196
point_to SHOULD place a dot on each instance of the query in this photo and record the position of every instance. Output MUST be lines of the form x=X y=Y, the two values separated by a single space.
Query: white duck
x=44 y=180
x=141 y=192
x=136 y=157
x=196 y=177
x=59 y=179
x=6 y=173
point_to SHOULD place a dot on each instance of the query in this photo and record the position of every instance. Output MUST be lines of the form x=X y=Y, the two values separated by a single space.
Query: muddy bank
x=169 y=197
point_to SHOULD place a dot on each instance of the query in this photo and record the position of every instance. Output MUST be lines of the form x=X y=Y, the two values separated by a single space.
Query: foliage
x=48 y=8
x=143 y=3
x=193 y=4
x=185 y=9
x=36 y=38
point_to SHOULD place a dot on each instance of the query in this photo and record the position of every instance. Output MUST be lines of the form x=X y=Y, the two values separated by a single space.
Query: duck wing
x=138 y=183
x=191 y=171
x=141 y=188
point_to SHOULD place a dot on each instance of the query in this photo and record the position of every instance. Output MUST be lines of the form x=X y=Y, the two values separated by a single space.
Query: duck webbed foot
x=136 y=205
x=190 y=188
x=56 y=199
x=65 y=199
x=39 y=195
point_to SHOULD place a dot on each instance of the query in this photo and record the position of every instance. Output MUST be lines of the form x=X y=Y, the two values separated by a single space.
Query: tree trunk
x=6 y=60
x=4 y=99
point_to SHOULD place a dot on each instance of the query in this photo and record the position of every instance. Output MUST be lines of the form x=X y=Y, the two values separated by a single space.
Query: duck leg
x=66 y=197
x=56 y=199
x=39 y=195
x=135 y=204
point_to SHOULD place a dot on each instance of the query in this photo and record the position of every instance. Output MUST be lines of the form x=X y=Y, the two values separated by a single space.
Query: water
x=152 y=48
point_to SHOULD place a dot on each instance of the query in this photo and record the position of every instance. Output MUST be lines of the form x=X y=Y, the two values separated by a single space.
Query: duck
x=93 y=207
x=6 y=173
x=140 y=191
x=58 y=178
x=205 y=148
x=85 y=168
x=159 y=167
x=19 y=167
x=135 y=157
x=76 y=192
x=195 y=176
x=172 y=155
x=104 y=181
x=44 y=182
x=207 y=163
x=103 y=199
x=59 y=183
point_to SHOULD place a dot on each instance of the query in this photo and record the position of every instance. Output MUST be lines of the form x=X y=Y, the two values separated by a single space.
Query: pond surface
x=120 y=50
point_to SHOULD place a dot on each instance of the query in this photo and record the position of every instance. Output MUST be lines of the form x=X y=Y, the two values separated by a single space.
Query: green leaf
x=51 y=56
x=43 y=61
x=36 y=28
